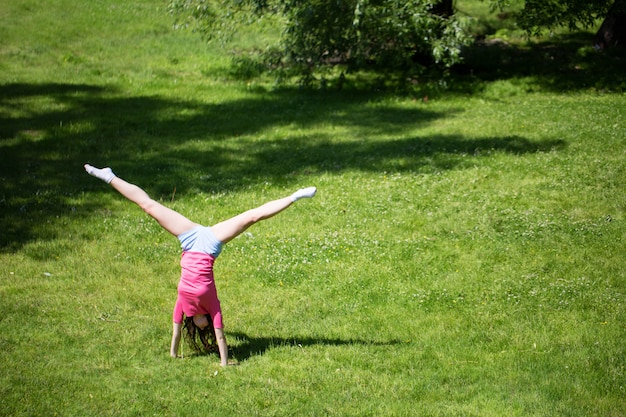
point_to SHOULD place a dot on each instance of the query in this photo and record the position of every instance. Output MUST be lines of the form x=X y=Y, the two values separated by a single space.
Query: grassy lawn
x=464 y=255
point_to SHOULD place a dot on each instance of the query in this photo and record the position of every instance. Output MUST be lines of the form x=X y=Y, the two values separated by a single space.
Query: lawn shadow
x=563 y=63
x=426 y=154
x=246 y=347
x=192 y=146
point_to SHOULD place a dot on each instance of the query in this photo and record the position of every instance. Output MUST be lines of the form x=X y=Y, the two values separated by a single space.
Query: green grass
x=464 y=255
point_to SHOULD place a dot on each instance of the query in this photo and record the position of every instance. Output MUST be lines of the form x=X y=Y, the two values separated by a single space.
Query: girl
x=201 y=245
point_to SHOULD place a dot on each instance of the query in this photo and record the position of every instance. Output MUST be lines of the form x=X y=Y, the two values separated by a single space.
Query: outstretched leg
x=170 y=220
x=229 y=229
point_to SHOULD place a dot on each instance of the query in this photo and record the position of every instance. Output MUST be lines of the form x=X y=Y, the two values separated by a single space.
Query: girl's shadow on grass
x=246 y=347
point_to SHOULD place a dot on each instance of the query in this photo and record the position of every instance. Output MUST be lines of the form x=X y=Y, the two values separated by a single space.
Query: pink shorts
x=197 y=293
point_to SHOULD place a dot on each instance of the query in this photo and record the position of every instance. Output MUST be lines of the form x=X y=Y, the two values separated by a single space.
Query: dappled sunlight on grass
x=191 y=146
x=463 y=254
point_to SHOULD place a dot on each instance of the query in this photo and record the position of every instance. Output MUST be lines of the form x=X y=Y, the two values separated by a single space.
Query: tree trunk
x=612 y=32
x=443 y=8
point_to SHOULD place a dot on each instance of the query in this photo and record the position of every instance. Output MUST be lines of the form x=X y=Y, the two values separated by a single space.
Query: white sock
x=105 y=174
x=303 y=193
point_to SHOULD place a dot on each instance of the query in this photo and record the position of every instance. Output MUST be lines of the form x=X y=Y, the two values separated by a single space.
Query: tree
x=396 y=35
x=613 y=29
x=539 y=14
x=356 y=33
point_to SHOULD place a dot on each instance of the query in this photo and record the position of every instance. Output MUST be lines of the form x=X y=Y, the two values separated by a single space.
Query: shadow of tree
x=151 y=141
x=246 y=347
x=561 y=64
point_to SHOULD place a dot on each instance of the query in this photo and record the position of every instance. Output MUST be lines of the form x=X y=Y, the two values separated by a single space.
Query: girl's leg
x=229 y=229
x=170 y=220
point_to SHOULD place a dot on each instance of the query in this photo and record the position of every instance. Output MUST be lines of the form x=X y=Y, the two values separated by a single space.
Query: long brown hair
x=200 y=340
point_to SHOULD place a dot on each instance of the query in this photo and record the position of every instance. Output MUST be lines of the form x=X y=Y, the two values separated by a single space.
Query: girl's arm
x=176 y=332
x=222 y=346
